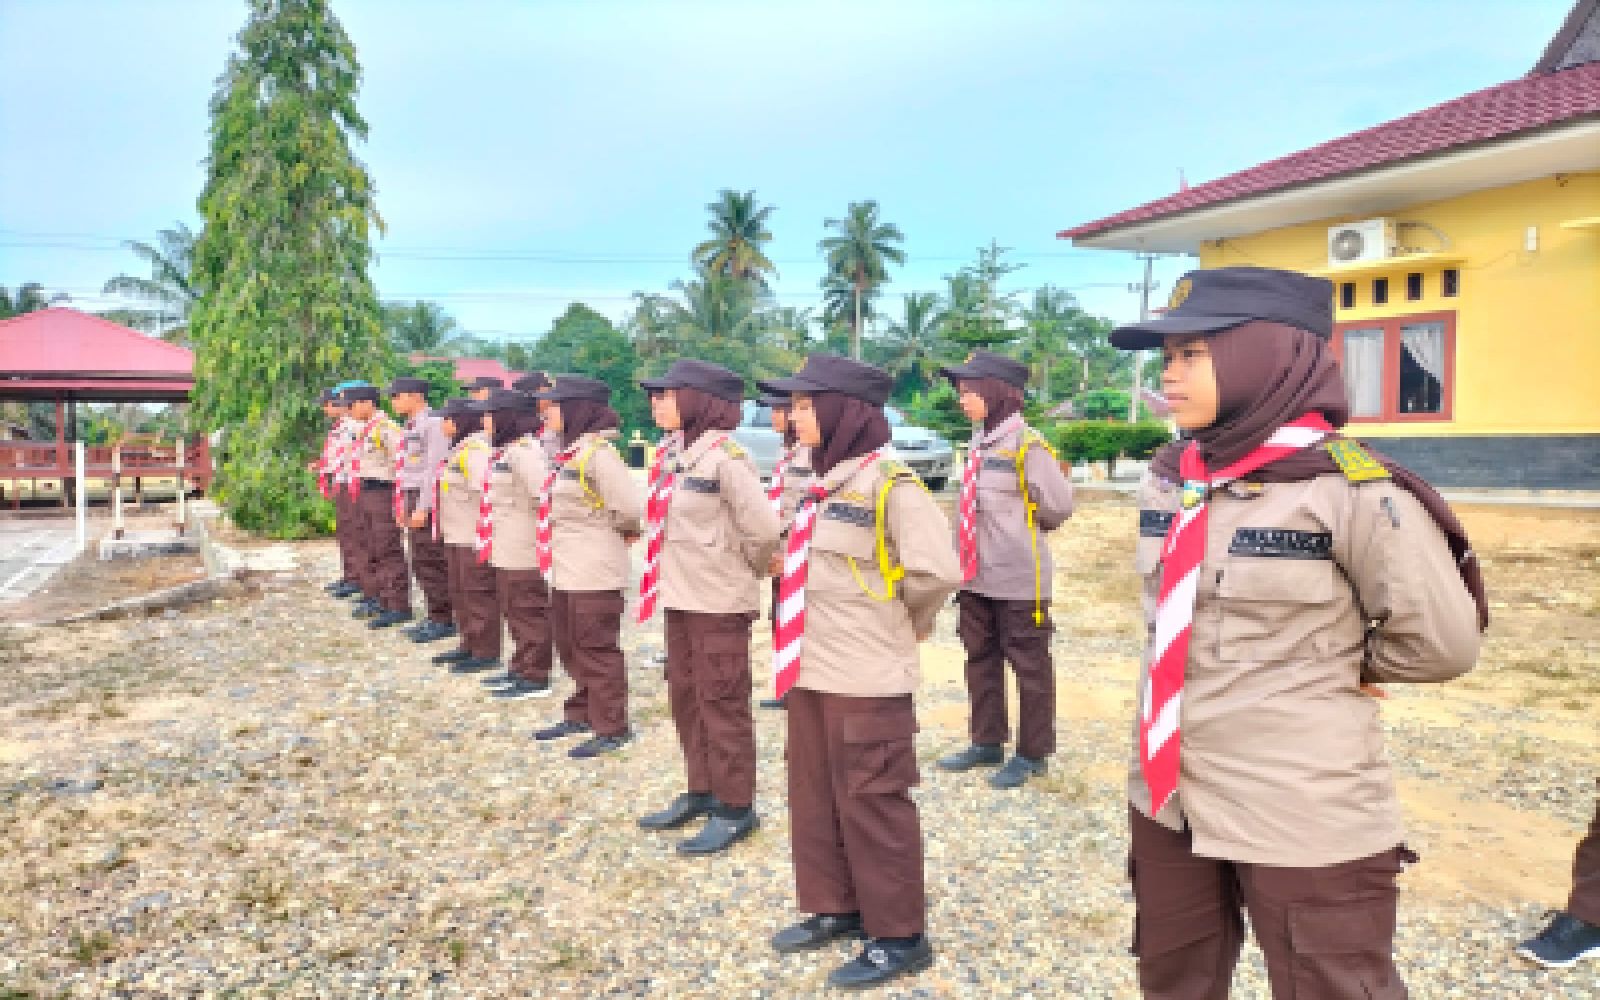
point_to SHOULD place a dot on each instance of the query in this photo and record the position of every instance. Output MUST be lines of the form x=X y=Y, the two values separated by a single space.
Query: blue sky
x=531 y=153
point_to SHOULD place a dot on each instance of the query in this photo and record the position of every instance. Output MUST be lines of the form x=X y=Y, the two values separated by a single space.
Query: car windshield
x=895 y=417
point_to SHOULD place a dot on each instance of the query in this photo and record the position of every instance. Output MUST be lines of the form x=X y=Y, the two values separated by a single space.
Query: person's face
x=664 y=408
x=488 y=425
x=477 y=393
x=972 y=404
x=449 y=426
x=550 y=413
x=332 y=411
x=363 y=409
x=803 y=413
x=780 y=420
x=408 y=403
x=1188 y=381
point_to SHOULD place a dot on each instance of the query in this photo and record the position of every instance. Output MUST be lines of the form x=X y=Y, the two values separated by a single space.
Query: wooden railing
x=49 y=460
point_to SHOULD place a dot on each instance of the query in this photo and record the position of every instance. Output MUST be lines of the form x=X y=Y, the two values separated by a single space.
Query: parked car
x=929 y=455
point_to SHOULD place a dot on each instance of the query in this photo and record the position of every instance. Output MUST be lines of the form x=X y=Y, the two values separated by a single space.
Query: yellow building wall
x=1527 y=351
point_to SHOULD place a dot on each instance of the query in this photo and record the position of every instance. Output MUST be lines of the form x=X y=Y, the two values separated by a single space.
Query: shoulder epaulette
x=1355 y=462
x=733 y=448
x=893 y=468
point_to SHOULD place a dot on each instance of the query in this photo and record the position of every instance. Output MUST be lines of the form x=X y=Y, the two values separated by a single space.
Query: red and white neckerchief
x=541 y=531
x=483 y=544
x=330 y=455
x=789 y=635
x=967 y=530
x=775 y=487
x=355 y=459
x=657 y=499
x=1181 y=554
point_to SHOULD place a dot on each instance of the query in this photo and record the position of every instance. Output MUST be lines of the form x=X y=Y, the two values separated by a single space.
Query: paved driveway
x=30 y=553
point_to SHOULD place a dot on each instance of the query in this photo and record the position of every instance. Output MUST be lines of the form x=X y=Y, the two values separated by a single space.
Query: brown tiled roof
x=1520 y=105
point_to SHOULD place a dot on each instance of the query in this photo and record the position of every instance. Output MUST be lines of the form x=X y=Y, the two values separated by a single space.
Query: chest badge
x=1194 y=493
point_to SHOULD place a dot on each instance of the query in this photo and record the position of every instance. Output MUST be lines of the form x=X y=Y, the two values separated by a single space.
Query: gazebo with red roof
x=70 y=357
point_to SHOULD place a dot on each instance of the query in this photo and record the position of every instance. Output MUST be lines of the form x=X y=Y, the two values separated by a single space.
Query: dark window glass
x=1380 y=291
x=1450 y=283
x=1413 y=286
x=1347 y=295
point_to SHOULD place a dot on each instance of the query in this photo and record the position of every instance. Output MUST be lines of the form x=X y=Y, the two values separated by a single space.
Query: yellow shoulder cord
x=1030 y=507
x=890 y=572
x=595 y=500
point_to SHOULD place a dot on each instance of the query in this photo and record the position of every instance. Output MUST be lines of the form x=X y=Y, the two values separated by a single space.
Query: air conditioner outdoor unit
x=1354 y=242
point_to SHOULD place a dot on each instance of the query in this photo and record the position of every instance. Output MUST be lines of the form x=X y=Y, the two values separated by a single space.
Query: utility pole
x=1144 y=288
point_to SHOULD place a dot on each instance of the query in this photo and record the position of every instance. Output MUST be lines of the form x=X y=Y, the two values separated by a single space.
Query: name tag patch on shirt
x=501 y=467
x=1155 y=523
x=694 y=484
x=1282 y=543
x=861 y=517
x=999 y=464
x=569 y=473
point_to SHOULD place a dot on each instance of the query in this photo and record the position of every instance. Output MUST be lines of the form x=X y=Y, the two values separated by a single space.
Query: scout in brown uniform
x=1575 y=933
x=517 y=477
x=1012 y=492
x=473 y=596
x=1285 y=570
x=425 y=446
x=373 y=455
x=867 y=566
x=718 y=532
x=479 y=388
x=593 y=510
x=327 y=468
x=352 y=547
x=791 y=477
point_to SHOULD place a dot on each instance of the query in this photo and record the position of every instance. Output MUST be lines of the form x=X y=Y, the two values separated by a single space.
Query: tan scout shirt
x=514 y=486
x=1282 y=759
x=426 y=444
x=461 y=490
x=796 y=480
x=856 y=643
x=587 y=525
x=347 y=429
x=1013 y=560
x=720 y=530
x=378 y=448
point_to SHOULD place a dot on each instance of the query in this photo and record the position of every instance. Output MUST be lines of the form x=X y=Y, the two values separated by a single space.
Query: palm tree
x=1048 y=320
x=911 y=343
x=29 y=297
x=788 y=327
x=738 y=234
x=170 y=288
x=649 y=326
x=424 y=328
x=859 y=253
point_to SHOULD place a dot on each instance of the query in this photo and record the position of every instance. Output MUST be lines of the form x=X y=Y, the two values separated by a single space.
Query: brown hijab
x=849 y=427
x=467 y=423
x=1269 y=374
x=1000 y=398
x=580 y=416
x=700 y=411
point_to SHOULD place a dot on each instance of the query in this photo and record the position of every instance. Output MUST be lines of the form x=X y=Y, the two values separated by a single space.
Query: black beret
x=407 y=384
x=505 y=400
x=575 y=387
x=486 y=382
x=357 y=392
x=1218 y=299
x=531 y=382
x=455 y=406
x=688 y=373
x=831 y=373
x=987 y=364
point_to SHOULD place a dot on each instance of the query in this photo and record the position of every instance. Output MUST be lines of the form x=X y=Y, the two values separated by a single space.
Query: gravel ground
x=260 y=798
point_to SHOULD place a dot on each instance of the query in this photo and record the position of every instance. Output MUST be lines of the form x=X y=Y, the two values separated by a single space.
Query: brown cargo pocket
x=1345 y=949
x=597 y=622
x=1274 y=610
x=881 y=751
x=726 y=664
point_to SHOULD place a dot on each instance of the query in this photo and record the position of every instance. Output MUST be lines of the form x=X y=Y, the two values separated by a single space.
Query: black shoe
x=431 y=631
x=814 y=932
x=498 y=679
x=977 y=755
x=720 y=833
x=595 y=746
x=682 y=810
x=368 y=608
x=520 y=688
x=474 y=665
x=1564 y=943
x=389 y=619
x=454 y=656
x=778 y=703
x=338 y=585
x=881 y=962
x=1016 y=772
x=344 y=590
x=566 y=727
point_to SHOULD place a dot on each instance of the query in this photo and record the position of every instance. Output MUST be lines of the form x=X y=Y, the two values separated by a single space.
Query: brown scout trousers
x=474 y=601
x=525 y=605
x=993 y=632
x=708 y=685
x=1584 y=903
x=344 y=530
x=385 y=550
x=429 y=564
x=588 y=631
x=853 y=827
x=1327 y=933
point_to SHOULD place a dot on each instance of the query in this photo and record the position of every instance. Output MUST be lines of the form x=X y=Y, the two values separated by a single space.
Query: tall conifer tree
x=287 y=307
